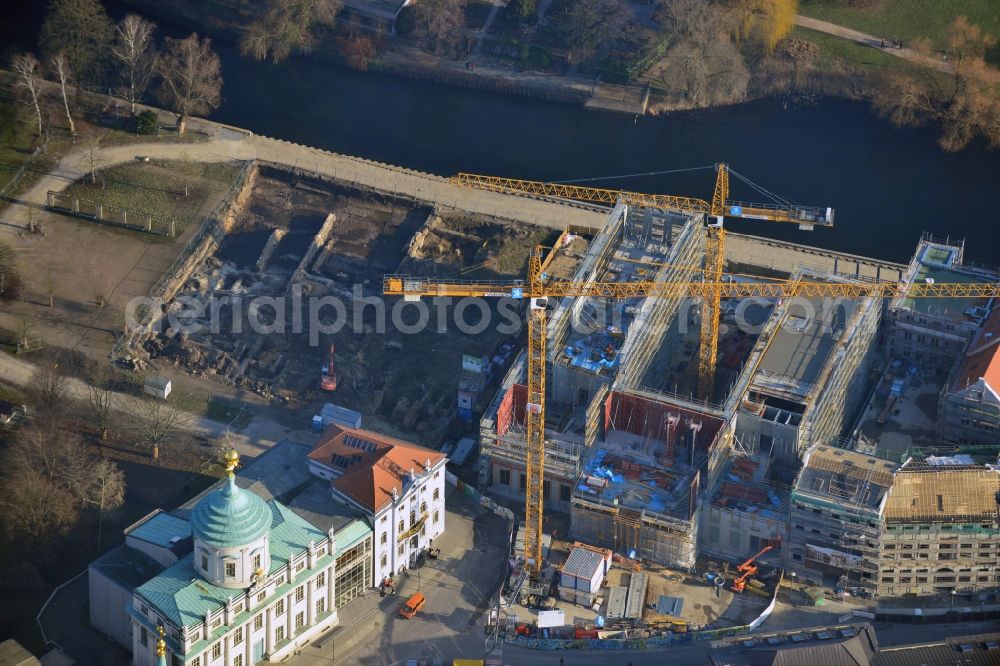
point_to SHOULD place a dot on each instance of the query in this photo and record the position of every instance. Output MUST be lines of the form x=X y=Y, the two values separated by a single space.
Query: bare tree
x=288 y=26
x=33 y=506
x=135 y=50
x=437 y=24
x=60 y=67
x=584 y=24
x=155 y=422
x=26 y=67
x=101 y=400
x=106 y=491
x=191 y=77
x=48 y=390
x=51 y=283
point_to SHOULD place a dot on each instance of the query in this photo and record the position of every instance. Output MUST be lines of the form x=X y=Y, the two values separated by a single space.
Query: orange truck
x=412 y=605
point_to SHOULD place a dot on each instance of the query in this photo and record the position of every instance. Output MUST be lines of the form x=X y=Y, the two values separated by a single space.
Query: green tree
x=521 y=8
x=82 y=30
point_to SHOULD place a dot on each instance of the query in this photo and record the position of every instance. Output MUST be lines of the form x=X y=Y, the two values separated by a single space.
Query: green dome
x=230 y=517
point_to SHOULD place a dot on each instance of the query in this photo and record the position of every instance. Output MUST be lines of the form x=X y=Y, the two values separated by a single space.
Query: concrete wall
x=929 y=559
x=737 y=534
x=109 y=604
x=971 y=416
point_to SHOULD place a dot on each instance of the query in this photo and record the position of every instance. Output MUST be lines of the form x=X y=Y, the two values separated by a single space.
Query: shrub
x=147 y=122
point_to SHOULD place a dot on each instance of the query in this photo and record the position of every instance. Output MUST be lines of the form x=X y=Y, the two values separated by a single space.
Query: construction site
x=298 y=238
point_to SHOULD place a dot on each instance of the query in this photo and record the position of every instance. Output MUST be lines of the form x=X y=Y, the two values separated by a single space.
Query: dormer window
x=204 y=562
x=230 y=569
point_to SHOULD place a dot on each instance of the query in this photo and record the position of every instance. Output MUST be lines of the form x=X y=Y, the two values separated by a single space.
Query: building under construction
x=639 y=490
x=835 y=523
x=806 y=376
x=593 y=343
x=941 y=530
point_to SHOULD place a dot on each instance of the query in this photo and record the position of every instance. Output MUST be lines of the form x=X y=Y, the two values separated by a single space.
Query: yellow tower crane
x=715 y=253
x=537 y=290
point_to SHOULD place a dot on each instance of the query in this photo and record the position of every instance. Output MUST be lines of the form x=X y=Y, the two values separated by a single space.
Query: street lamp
x=953 y=593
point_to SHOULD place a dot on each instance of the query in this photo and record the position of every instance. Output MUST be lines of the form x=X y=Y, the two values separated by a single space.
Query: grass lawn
x=157 y=188
x=116 y=137
x=217 y=409
x=835 y=51
x=909 y=19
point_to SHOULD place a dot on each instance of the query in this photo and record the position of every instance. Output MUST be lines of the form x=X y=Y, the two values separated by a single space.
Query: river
x=887 y=185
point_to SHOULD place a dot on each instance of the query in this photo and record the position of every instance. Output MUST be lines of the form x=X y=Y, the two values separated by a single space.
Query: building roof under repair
x=944 y=493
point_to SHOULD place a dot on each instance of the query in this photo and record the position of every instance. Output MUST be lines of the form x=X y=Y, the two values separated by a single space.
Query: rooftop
x=949 y=308
x=846 y=647
x=126 y=566
x=585 y=561
x=982 y=359
x=161 y=529
x=801 y=346
x=943 y=493
x=183 y=596
x=370 y=466
x=979 y=650
x=845 y=476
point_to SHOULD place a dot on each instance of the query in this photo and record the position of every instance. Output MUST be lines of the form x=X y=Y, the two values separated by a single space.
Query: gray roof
x=837 y=650
x=582 y=563
x=801 y=347
x=316 y=504
x=126 y=566
x=980 y=650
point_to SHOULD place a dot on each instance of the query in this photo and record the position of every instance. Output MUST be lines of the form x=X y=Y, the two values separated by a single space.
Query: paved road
x=227 y=144
x=876 y=42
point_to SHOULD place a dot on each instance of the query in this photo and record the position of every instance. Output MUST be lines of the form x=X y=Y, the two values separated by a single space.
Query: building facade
x=969 y=408
x=835 y=519
x=398 y=486
x=941 y=531
x=258 y=584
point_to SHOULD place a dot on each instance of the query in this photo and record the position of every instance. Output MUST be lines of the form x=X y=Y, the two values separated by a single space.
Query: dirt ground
x=404 y=381
x=91 y=271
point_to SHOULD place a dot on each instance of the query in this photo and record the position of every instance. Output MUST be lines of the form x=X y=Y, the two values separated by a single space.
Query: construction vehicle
x=748 y=569
x=538 y=288
x=328 y=380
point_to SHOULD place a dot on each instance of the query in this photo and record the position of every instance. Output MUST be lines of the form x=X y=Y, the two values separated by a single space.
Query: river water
x=887 y=185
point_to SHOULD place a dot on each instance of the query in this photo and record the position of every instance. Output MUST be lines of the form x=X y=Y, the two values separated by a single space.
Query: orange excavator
x=328 y=381
x=748 y=569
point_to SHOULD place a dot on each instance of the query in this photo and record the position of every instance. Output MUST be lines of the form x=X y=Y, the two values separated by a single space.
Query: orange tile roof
x=982 y=360
x=371 y=464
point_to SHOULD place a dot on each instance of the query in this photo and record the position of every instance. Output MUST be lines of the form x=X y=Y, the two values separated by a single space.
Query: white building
x=398 y=486
x=258 y=584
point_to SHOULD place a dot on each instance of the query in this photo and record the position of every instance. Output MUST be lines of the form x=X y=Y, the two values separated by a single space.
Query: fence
x=210 y=226
x=11 y=186
x=69 y=204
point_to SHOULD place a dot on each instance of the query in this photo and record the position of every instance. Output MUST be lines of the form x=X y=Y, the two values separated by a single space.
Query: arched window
x=423 y=507
x=385 y=536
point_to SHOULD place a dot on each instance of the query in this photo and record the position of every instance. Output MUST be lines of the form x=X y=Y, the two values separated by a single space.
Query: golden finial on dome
x=231 y=460
x=161 y=645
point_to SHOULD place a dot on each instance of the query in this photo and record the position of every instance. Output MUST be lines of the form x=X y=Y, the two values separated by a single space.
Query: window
x=400 y=549
x=402 y=527
x=299 y=593
x=217 y=650
x=300 y=566
x=238 y=660
x=321 y=579
x=256 y=562
x=144 y=637
x=300 y=620
x=238 y=636
x=437 y=493
x=423 y=508
x=385 y=519
x=505 y=477
x=204 y=562
x=383 y=561
x=385 y=537
x=320 y=606
x=230 y=569
x=545 y=488
x=435 y=516
x=279 y=608
x=565 y=492
x=195 y=662
x=279 y=634
x=260 y=597
x=258 y=621
x=524 y=481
